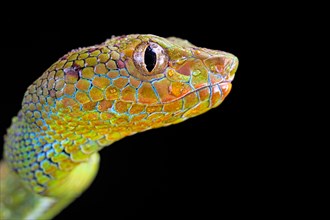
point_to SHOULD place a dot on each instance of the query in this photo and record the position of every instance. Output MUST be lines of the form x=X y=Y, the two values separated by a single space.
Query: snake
x=92 y=97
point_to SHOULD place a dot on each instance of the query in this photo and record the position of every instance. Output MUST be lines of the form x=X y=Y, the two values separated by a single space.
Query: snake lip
x=196 y=90
x=209 y=86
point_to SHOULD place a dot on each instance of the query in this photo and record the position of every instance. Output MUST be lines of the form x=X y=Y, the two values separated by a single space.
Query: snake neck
x=44 y=162
x=18 y=201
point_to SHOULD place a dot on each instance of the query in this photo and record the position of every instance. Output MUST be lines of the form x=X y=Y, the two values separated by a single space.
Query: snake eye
x=150 y=58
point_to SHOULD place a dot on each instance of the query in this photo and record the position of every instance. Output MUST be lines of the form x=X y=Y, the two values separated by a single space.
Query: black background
x=210 y=166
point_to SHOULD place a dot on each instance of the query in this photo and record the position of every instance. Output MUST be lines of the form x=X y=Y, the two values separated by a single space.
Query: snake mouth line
x=196 y=90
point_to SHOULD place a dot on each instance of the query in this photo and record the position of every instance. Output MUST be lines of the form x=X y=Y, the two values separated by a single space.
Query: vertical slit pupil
x=150 y=58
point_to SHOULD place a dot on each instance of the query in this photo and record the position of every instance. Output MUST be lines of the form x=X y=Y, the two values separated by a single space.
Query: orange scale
x=101 y=82
x=146 y=94
x=139 y=117
x=134 y=82
x=128 y=94
x=122 y=107
x=204 y=94
x=173 y=106
x=82 y=97
x=106 y=116
x=89 y=106
x=96 y=94
x=136 y=108
x=104 y=105
x=111 y=93
x=120 y=82
x=111 y=65
x=163 y=89
x=100 y=69
x=83 y=84
x=190 y=100
x=69 y=89
x=216 y=98
x=113 y=74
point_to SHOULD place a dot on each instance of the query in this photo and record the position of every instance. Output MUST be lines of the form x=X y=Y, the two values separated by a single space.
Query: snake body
x=92 y=97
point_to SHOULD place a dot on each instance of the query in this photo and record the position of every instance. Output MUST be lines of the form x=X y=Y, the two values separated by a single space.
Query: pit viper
x=92 y=97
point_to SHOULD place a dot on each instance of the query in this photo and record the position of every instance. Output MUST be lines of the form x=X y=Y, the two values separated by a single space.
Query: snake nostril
x=216 y=64
x=217 y=68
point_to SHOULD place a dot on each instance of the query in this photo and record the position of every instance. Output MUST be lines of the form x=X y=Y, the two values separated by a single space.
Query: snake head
x=175 y=76
x=128 y=84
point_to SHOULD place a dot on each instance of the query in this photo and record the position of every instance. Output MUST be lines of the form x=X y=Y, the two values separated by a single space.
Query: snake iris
x=92 y=97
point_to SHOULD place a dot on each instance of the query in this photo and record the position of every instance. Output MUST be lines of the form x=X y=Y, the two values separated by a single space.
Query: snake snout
x=232 y=67
x=223 y=65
